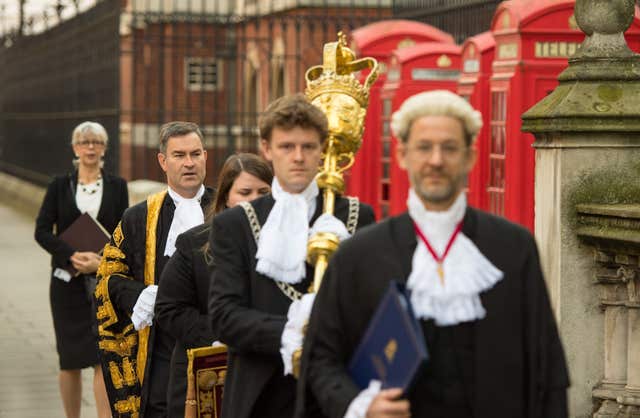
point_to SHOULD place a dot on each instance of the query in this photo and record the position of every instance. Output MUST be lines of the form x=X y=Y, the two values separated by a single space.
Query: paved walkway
x=28 y=358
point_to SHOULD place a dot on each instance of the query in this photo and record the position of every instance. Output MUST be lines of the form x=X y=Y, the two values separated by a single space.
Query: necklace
x=439 y=258
x=90 y=190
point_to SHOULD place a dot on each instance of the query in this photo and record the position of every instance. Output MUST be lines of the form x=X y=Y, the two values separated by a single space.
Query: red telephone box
x=422 y=67
x=379 y=40
x=477 y=57
x=533 y=40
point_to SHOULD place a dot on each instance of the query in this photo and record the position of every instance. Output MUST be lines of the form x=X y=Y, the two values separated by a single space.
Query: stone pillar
x=588 y=152
x=613 y=231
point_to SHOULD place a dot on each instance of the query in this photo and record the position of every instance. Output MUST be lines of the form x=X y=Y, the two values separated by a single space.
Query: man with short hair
x=135 y=352
x=259 y=250
x=475 y=284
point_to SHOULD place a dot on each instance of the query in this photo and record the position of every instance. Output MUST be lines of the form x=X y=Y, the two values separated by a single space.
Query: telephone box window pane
x=385 y=192
x=386 y=107
x=385 y=170
x=386 y=149
x=498 y=152
x=386 y=131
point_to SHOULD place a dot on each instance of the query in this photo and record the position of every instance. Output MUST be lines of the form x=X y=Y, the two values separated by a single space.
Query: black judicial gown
x=119 y=286
x=508 y=364
x=71 y=307
x=181 y=309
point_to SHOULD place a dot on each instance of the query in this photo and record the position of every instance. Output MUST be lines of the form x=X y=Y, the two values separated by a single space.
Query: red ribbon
x=439 y=259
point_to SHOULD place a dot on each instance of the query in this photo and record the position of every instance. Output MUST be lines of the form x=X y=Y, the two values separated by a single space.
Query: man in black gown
x=135 y=353
x=477 y=289
x=259 y=252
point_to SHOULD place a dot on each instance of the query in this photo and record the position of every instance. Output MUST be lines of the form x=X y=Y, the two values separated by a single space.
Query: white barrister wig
x=435 y=103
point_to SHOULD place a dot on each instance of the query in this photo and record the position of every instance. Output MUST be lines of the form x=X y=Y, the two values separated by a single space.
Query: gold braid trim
x=123 y=374
x=130 y=377
x=105 y=313
x=109 y=265
x=113 y=252
x=121 y=343
x=154 y=204
x=116 y=376
x=118 y=236
x=131 y=405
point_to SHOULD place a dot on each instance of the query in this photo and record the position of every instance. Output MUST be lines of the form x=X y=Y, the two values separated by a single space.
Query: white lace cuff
x=293 y=334
x=142 y=315
x=360 y=404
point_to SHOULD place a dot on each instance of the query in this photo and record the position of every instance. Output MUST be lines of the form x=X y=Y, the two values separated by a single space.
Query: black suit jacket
x=518 y=365
x=181 y=309
x=59 y=208
x=249 y=311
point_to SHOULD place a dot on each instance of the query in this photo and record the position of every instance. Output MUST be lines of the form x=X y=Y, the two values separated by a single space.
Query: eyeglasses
x=88 y=142
x=447 y=150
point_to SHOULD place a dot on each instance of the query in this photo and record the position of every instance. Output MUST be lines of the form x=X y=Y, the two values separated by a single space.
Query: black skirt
x=74 y=322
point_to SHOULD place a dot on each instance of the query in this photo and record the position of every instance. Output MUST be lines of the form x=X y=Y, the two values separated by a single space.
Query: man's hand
x=85 y=262
x=387 y=403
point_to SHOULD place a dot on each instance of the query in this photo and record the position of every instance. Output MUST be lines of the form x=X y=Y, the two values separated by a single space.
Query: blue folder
x=392 y=349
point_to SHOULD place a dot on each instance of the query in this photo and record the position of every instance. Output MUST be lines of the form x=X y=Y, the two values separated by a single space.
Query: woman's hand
x=85 y=262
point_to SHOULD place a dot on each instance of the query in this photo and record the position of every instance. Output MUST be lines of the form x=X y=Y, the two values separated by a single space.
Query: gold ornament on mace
x=334 y=88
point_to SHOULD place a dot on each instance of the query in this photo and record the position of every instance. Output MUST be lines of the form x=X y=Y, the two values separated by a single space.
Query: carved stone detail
x=612 y=232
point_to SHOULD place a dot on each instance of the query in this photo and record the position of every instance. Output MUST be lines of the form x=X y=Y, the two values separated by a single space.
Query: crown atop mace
x=336 y=74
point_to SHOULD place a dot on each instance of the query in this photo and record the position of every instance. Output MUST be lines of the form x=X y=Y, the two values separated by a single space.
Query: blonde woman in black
x=181 y=304
x=104 y=196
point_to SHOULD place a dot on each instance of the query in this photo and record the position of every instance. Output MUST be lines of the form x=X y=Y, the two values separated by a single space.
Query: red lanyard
x=439 y=259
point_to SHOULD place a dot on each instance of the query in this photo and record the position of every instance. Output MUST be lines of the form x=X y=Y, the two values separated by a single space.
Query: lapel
x=319 y=204
x=405 y=242
x=263 y=208
x=71 y=186
x=206 y=199
x=107 y=195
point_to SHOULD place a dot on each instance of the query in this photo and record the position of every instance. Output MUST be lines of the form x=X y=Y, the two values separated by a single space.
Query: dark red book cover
x=85 y=234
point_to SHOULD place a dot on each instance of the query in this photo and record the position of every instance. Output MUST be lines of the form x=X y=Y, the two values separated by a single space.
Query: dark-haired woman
x=104 y=196
x=181 y=304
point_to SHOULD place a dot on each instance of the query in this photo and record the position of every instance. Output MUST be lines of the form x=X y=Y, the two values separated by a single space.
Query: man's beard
x=444 y=194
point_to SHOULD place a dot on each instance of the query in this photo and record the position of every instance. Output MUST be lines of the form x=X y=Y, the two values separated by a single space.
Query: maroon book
x=85 y=234
x=206 y=374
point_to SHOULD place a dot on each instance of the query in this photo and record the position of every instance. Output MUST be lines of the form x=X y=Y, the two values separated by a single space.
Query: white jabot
x=188 y=214
x=89 y=198
x=282 y=248
x=467 y=272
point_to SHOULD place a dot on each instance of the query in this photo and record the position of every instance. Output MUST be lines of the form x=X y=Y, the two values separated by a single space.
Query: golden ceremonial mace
x=334 y=88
